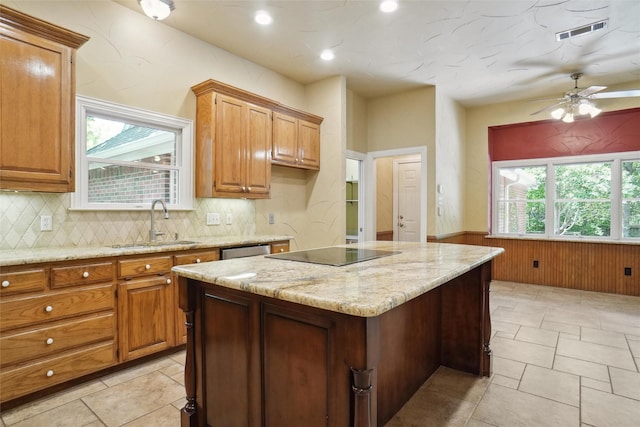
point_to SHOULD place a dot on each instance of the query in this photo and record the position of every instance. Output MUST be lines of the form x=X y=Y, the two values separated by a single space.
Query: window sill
x=565 y=239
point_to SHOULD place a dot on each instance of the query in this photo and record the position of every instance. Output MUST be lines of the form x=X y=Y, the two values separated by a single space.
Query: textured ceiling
x=475 y=51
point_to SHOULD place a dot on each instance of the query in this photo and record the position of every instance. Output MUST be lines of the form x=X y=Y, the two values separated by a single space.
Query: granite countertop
x=51 y=254
x=364 y=289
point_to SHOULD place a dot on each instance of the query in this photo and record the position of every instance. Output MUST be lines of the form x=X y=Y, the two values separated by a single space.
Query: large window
x=126 y=158
x=595 y=197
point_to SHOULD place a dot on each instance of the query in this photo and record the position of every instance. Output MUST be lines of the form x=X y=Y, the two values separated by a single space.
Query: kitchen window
x=127 y=157
x=593 y=197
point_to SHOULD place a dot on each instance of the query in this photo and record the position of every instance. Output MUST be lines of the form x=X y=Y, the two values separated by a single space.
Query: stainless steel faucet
x=153 y=234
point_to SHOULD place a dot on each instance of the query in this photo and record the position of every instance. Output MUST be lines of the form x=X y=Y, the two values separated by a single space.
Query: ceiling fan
x=577 y=102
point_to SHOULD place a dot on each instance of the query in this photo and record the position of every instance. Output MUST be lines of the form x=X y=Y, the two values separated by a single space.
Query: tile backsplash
x=20 y=222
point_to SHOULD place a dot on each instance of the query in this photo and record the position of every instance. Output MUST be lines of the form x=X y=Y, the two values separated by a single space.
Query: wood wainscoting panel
x=588 y=266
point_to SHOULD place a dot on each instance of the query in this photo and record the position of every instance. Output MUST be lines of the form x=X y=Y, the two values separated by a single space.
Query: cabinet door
x=230 y=145
x=146 y=316
x=36 y=113
x=258 y=179
x=308 y=145
x=285 y=136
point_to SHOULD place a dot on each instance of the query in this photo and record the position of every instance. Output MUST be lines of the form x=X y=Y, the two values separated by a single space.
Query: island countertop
x=364 y=289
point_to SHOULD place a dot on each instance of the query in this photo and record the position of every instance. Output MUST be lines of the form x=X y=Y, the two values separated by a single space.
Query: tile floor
x=561 y=358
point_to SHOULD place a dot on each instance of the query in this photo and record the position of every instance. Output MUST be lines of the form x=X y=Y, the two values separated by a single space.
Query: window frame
x=86 y=106
x=549 y=163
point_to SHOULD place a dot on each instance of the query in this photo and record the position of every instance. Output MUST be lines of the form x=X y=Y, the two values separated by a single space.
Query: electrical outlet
x=213 y=218
x=46 y=223
x=536 y=264
x=272 y=218
x=627 y=271
x=229 y=218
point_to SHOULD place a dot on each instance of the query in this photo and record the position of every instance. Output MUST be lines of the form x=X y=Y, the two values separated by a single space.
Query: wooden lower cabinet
x=145 y=325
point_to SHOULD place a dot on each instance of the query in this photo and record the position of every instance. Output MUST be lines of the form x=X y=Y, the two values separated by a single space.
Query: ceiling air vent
x=586 y=29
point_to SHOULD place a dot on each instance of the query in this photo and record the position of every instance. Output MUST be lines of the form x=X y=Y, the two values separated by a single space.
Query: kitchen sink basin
x=152 y=244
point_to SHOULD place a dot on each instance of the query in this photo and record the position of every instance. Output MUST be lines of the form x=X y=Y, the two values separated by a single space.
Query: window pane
x=583 y=218
x=583 y=181
x=116 y=140
x=521 y=196
x=631 y=219
x=631 y=179
x=130 y=184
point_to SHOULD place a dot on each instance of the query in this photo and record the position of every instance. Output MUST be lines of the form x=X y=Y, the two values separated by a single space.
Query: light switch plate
x=213 y=218
x=272 y=218
x=229 y=218
x=46 y=223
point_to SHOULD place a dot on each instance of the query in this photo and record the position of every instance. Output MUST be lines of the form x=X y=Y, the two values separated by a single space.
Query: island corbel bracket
x=188 y=414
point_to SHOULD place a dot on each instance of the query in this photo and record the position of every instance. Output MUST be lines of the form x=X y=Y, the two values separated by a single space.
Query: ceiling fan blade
x=549 y=108
x=618 y=94
x=591 y=90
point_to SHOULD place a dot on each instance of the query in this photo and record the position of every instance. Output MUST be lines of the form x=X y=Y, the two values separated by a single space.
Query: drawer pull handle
x=197 y=260
x=50 y=373
x=5 y=283
x=48 y=309
x=168 y=281
x=148 y=266
x=49 y=341
x=85 y=274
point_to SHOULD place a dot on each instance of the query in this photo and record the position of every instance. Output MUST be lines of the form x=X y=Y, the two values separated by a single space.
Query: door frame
x=396 y=189
x=362 y=158
x=370 y=188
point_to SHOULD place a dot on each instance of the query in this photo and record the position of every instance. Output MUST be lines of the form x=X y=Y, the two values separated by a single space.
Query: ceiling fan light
x=594 y=111
x=157 y=9
x=557 y=113
x=568 y=118
x=585 y=107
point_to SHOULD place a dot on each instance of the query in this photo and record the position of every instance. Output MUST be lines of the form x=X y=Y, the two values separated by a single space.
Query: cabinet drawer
x=279 y=247
x=42 y=308
x=144 y=266
x=53 y=339
x=197 y=257
x=81 y=274
x=38 y=375
x=23 y=281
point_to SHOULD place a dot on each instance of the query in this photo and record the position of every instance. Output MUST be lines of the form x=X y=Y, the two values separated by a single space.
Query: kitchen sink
x=152 y=244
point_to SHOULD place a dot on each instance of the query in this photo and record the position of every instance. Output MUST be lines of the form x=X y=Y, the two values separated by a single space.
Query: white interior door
x=406 y=206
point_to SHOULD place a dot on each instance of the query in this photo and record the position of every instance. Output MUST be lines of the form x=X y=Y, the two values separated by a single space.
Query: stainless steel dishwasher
x=245 y=251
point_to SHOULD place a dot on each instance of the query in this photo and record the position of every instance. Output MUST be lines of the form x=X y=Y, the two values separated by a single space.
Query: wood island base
x=259 y=361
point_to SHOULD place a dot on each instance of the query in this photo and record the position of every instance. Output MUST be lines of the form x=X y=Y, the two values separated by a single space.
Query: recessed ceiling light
x=327 y=55
x=263 y=18
x=388 y=6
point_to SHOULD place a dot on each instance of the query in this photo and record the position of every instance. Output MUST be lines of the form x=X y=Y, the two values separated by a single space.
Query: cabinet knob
x=85 y=274
x=5 y=283
x=281 y=249
x=48 y=309
x=244 y=189
x=249 y=189
x=49 y=341
x=301 y=160
x=148 y=266
x=197 y=260
x=297 y=160
x=50 y=373
x=168 y=281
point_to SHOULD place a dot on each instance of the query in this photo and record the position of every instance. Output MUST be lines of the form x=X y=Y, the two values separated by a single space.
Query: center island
x=278 y=342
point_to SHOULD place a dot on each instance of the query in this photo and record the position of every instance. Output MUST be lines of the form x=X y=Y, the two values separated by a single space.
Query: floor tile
x=625 y=383
x=608 y=410
x=167 y=416
x=581 y=367
x=596 y=353
x=537 y=336
x=136 y=371
x=132 y=399
x=635 y=347
x=620 y=327
x=456 y=384
x=561 y=327
x=505 y=381
x=502 y=406
x=74 y=413
x=595 y=384
x=179 y=404
x=508 y=368
x=510 y=328
x=563 y=316
x=598 y=336
x=554 y=385
x=518 y=318
x=523 y=351
x=36 y=407
x=476 y=423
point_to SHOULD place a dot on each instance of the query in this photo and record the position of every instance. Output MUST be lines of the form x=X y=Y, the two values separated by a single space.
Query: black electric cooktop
x=333 y=256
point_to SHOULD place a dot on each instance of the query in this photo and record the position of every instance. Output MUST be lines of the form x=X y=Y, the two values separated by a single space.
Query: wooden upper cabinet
x=296 y=141
x=240 y=134
x=37 y=103
x=233 y=147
